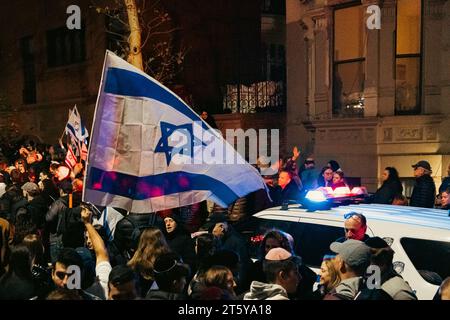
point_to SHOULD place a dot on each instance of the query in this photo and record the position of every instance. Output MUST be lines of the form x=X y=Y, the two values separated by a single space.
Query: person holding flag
x=150 y=151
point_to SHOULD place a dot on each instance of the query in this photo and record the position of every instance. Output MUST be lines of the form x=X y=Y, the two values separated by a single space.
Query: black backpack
x=71 y=227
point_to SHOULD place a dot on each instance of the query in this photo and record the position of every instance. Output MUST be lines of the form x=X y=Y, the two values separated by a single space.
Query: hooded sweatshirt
x=266 y=291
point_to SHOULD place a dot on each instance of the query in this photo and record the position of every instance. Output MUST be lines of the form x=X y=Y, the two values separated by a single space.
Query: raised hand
x=295 y=153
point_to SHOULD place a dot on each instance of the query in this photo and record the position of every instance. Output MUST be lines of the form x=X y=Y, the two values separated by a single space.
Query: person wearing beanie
x=391 y=282
x=179 y=239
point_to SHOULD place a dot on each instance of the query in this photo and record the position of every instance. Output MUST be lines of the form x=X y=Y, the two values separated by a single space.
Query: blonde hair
x=335 y=278
x=152 y=244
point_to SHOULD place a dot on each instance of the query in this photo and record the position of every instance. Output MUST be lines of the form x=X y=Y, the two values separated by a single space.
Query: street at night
x=222 y=153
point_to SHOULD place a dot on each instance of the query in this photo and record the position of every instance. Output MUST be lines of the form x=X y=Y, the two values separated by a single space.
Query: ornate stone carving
x=387 y=134
x=430 y=133
x=409 y=134
x=320 y=22
x=345 y=135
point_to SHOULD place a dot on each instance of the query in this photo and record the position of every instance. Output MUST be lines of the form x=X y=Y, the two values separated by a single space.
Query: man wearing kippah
x=281 y=271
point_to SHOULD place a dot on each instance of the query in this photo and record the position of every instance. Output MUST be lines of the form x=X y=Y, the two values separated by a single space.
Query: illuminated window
x=408 y=57
x=349 y=60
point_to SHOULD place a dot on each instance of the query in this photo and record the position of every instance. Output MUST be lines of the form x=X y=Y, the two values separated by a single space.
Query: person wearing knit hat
x=179 y=239
x=281 y=270
x=392 y=283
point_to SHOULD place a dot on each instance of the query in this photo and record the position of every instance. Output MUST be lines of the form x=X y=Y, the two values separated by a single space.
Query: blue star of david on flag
x=167 y=129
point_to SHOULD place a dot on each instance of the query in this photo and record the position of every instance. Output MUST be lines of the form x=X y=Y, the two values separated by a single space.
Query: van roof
x=433 y=218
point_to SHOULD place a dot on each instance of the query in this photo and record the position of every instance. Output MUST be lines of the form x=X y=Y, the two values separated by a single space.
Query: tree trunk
x=135 y=55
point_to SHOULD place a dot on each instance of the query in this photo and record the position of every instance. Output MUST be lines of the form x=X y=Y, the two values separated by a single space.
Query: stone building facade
x=370 y=97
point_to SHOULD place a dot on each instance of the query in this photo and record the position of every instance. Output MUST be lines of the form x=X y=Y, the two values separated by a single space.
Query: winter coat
x=424 y=192
x=386 y=193
x=445 y=184
x=181 y=242
x=290 y=192
x=163 y=295
x=266 y=291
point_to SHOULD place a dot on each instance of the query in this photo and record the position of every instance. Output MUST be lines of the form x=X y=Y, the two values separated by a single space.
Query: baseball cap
x=355 y=253
x=423 y=164
x=376 y=243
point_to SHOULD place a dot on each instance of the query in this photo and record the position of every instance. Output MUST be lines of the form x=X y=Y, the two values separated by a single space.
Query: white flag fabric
x=75 y=126
x=149 y=151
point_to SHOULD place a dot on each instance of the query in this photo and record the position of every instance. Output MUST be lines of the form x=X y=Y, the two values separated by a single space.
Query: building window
x=349 y=61
x=65 y=47
x=29 y=75
x=277 y=7
x=408 y=57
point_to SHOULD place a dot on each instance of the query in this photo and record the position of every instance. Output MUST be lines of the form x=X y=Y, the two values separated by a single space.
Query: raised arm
x=101 y=253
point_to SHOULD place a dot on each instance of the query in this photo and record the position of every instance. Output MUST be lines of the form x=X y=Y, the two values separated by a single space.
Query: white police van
x=420 y=237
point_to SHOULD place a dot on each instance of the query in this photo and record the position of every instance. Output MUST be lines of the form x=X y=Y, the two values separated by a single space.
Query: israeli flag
x=150 y=151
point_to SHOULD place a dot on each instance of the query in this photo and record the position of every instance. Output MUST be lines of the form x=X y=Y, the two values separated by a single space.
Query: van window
x=430 y=258
x=311 y=241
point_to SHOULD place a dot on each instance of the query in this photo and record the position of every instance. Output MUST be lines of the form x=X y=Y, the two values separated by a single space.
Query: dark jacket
x=445 y=184
x=13 y=287
x=424 y=192
x=38 y=208
x=163 y=295
x=66 y=221
x=290 y=192
x=386 y=193
x=181 y=242
x=233 y=241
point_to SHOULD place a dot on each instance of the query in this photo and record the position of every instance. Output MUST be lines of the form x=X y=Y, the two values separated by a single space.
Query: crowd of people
x=193 y=252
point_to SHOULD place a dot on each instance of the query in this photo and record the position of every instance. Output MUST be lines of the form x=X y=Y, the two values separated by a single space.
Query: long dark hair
x=393 y=178
x=278 y=235
x=20 y=262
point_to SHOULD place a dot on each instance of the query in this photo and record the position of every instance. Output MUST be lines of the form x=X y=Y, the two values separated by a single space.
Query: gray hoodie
x=266 y=291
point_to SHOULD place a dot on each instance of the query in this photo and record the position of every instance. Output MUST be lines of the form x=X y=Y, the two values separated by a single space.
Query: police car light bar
x=316 y=196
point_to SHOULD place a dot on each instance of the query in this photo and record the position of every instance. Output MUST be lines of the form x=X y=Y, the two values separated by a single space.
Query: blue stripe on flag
x=128 y=83
x=141 y=188
x=72 y=129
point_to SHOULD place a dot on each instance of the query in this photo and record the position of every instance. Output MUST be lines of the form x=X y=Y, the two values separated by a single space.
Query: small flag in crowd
x=84 y=151
x=71 y=159
x=75 y=126
x=133 y=161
